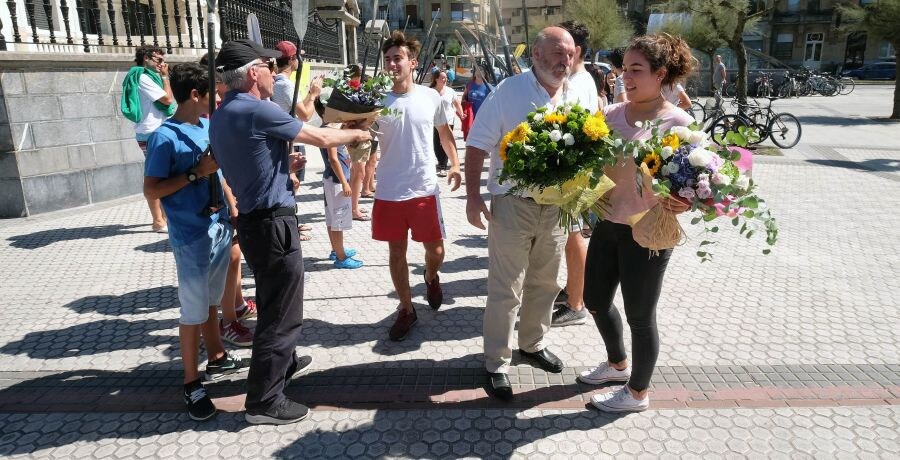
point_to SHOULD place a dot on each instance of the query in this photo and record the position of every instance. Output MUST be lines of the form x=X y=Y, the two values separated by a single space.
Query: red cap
x=288 y=49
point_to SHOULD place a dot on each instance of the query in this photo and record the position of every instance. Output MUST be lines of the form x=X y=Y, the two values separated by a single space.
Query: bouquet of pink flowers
x=713 y=178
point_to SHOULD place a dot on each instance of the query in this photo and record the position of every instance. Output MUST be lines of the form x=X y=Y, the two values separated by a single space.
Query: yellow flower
x=555 y=117
x=595 y=128
x=653 y=162
x=671 y=141
x=504 y=144
x=520 y=132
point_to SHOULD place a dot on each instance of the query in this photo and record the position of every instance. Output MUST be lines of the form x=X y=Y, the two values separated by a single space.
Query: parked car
x=875 y=71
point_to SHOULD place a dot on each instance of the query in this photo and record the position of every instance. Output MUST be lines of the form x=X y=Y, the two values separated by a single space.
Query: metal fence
x=97 y=26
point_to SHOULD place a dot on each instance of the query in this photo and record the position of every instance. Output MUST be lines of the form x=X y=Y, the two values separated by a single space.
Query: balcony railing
x=98 y=26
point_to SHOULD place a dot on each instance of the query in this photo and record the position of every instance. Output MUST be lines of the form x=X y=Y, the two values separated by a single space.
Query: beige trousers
x=525 y=244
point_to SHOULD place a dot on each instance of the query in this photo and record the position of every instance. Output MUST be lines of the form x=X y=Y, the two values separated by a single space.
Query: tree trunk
x=741 y=82
x=896 y=114
x=712 y=68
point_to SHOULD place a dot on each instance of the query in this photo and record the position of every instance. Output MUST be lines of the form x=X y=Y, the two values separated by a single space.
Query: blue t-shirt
x=476 y=94
x=249 y=139
x=172 y=150
x=343 y=158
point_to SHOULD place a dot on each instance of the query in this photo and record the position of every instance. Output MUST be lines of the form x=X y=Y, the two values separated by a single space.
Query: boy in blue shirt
x=175 y=172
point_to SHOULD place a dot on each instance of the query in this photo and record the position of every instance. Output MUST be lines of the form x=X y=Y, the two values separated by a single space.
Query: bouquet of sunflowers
x=557 y=156
x=713 y=178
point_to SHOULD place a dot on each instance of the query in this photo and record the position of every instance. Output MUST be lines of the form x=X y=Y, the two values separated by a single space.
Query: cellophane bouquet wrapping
x=344 y=99
x=557 y=156
x=713 y=177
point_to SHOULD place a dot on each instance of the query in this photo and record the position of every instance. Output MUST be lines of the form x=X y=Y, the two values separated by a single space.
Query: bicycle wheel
x=728 y=123
x=697 y=112
x=729 y=90
x=785 y=130
x=847 y=85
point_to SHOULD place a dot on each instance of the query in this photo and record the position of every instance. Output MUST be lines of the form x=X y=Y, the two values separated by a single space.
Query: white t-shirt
x=149 y=92
x=504 y=108
x=582 y=86
x=671 y=93
x=447 y=103
x=406 y=169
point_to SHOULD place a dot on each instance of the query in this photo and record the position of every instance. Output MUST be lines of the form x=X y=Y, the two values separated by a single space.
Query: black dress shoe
x=499 y=386
x=544 y=360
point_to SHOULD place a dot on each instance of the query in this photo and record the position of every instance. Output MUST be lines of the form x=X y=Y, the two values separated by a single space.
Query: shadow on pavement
x=840 y=120
x=875 y=164
x=458 y=265
x=44 y=238
x=155 y=248
x=95 y=337
x=150 y=300
x=472 y=241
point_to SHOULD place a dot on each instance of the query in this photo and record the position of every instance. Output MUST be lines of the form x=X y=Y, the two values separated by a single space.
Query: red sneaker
x=434 y=295
x=249 y=310
x=404 y=322
x=236 y=334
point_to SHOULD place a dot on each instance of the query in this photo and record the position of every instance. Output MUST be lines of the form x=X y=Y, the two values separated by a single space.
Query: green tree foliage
x=700 y=35
x=453 y=48
x=730 y=20
x=880 y=18
x=607 y=23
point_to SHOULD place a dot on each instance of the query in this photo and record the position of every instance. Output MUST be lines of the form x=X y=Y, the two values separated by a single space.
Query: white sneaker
x=604 y=373
x=620 y=401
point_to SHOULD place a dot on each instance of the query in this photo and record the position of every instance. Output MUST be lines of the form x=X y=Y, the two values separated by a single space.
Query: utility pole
x=525 y=19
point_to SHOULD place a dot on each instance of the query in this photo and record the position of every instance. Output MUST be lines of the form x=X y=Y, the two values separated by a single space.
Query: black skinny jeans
x=439 y=152
x=271 y=246
x=614 y=258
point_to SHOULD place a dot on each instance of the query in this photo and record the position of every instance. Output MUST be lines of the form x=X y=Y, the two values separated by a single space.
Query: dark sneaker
x=199 y=406
x=304 y=364
x=226 y=365
x=562 y=299
x=435 y=294
x=565 y=316
x=286 y=412
x=404 y=322
x=248 y=311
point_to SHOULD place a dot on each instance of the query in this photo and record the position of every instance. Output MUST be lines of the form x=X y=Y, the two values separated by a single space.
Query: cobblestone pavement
x=89 y=361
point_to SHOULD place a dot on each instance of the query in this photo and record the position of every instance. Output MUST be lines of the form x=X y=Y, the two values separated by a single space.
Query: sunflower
x=504 y=144
x=595 y=128
x=520 y=132
x=671 y=141
x=653 y=162
x=554 y=118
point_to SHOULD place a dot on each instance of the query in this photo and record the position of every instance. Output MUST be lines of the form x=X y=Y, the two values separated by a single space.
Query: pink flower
x=687 y=193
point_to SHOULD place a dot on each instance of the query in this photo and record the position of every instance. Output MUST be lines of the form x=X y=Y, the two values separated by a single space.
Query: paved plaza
x=793 y=354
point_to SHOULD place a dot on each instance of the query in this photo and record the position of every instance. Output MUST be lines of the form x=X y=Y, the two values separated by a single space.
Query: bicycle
x=845 y=85
x=783 y=129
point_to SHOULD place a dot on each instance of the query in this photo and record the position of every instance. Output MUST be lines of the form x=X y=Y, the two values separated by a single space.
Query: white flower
x=702 y=177
x=742 y=182
x=538 y=117
x=671 y=168
x=619 y=142
x=529 y=148
x=666 y=152
x=638 y=124
x=683 y=132
x=569 y=139
x=699 y=158
x=721 y=179
x=697 y=138
x=325 y=94
x=555 y=135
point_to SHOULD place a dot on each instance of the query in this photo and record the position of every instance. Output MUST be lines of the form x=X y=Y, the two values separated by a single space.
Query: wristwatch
x=191 y=176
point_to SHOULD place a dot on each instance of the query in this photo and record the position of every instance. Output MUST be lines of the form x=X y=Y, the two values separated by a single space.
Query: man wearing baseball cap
x=249 y=138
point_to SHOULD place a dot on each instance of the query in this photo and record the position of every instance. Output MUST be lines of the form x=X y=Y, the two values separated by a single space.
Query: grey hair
x=236 y=79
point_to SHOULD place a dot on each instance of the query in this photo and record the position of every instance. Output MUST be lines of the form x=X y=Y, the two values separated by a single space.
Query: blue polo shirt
x=172 y=150
x=250 y=139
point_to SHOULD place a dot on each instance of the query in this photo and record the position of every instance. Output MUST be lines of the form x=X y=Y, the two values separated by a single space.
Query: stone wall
x=63 y=139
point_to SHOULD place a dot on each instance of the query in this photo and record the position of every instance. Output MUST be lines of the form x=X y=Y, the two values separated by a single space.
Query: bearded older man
x=525 y=240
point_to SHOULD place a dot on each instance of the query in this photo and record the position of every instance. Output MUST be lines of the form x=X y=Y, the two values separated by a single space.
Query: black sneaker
x=286 y=412
x=199 y=406
x=304 y=364
x=566 y=316
x=562 y=299
x=226 y=365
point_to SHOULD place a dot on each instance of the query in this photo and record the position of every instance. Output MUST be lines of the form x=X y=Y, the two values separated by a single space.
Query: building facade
x=416 y=17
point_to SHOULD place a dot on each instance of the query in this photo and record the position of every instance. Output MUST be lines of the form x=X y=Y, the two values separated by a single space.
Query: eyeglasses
x=269 y=64
x=157 y=59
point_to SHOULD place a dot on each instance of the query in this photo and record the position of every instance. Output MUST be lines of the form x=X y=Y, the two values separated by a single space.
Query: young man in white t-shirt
x=149 y=92
x=406 y=199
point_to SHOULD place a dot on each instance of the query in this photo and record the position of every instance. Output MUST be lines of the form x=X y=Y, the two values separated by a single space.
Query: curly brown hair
x=399 y=39
x=664 y=50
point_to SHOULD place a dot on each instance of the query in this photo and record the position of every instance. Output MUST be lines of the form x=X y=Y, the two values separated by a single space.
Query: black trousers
x=439 y=152
x=614 y=258
x=271 y=246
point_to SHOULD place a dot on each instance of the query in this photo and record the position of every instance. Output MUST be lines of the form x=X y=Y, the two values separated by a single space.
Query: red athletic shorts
x=392 y=220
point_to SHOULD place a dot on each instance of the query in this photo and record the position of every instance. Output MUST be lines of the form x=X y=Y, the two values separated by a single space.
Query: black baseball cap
x=237 y=53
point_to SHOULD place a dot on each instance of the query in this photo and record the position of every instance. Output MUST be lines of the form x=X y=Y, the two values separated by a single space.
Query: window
x=551 y=10
x=812 y=6
x=784 y=46
x=456 y=11
x=856 y=50
x=435 y=8
x=814 y=47
x=886 y=50
x=138 y=18
x=793 y=5
x=517 y=12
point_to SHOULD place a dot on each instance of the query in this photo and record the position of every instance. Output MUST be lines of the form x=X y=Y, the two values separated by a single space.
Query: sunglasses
x=269 y=64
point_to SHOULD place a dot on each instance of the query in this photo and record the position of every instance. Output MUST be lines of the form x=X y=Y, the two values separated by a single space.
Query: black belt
x=268 y=213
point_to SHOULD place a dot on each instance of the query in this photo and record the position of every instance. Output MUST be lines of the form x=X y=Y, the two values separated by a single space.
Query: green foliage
x=453 y=48
x=880 y=18
x=607 y=23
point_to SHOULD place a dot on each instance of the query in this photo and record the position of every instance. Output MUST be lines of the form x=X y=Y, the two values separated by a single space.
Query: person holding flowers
x=614 y=257
x=525 y=239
